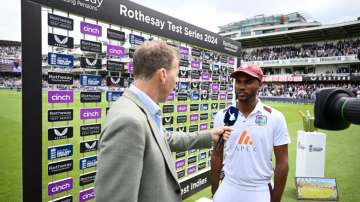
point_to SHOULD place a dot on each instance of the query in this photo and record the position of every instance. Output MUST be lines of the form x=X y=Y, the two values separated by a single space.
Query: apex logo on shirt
x=245 y=143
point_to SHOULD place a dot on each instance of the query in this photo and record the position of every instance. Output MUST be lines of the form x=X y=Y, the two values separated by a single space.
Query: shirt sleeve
x=281 y=132
x=219 y=119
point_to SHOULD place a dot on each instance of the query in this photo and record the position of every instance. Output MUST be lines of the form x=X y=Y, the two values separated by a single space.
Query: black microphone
x=230 y=118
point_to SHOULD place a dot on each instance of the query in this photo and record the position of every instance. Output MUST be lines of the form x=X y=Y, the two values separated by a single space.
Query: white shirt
x=248 y=152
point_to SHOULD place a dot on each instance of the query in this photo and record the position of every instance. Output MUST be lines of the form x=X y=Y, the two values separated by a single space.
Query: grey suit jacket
x=134 y=159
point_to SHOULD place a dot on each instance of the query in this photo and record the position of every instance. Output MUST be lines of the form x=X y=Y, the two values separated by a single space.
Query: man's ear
x=162 y=75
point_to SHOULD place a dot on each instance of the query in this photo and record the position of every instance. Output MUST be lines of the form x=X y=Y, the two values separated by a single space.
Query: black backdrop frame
x=31 y=38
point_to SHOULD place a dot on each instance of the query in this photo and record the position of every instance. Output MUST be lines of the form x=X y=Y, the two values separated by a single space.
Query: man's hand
x=223 y=131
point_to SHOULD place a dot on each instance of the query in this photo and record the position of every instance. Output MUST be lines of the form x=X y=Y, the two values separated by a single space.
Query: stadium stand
x=296 y=63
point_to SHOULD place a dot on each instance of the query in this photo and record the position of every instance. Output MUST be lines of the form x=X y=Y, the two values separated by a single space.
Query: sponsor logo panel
x=60 y=41
x=90 y=29
x=60 y=186
x=86 y=195
x=115 y=35
x=60 y=133
x=60 y=151
x=116 y=51
x=112 y=96
x=135 y=39
x=90 y=97
x=60 y=78
x=90 y=46
x=61 y=60
x=60 y=22
x=88 y=162
x=57 y=96
x=91 y=129
x=90 y=80
x=88 y=146
x=60 y=167
x=87 y=178
x=60 y=115
x=90 y=63
x=90 y=113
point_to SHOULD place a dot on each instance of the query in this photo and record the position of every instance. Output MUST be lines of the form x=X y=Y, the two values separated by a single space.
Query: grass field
x=342 y=153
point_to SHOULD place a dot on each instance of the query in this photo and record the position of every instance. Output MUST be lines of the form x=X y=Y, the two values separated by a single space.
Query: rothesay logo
x=115 y=35
x=60 y=167
x=90 y=97
x=181 y=119
x=181 y=174
x=92 y=129
x=168 y=108
x=115 y=66
x=202 y=165
x=90 y=46
x=60 y=22
x=87 y=178
x=180 y=154
x=182 y=96
x=60 y=115
x=194 y=107
x=60 y=78
x=191 y=160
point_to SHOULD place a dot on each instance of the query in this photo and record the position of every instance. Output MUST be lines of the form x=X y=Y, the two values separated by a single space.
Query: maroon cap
x=249 y=69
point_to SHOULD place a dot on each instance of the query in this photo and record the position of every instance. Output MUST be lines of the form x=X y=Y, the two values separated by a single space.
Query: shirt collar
x=259 y=107
x=150 y=105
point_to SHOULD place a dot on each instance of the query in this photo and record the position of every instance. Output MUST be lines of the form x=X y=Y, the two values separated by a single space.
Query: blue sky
x=212 y=13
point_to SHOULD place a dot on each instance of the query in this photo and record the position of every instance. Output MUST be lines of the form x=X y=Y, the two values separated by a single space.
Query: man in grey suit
x=134 y=160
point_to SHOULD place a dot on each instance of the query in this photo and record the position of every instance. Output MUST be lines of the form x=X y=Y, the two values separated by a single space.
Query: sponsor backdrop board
x=87 y=66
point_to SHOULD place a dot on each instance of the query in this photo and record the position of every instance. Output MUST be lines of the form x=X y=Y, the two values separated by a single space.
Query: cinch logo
x=205 y=76
x=60 y=186
x=182 y=108
x=113 y=50
x=194 y=117
x=90 y=29
x=180 y=164
x=203 y=126
x=90 y=113
x=86 y=195
x=184 y=51
x=195 y=64
x=246 y=144
x=60 y=96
